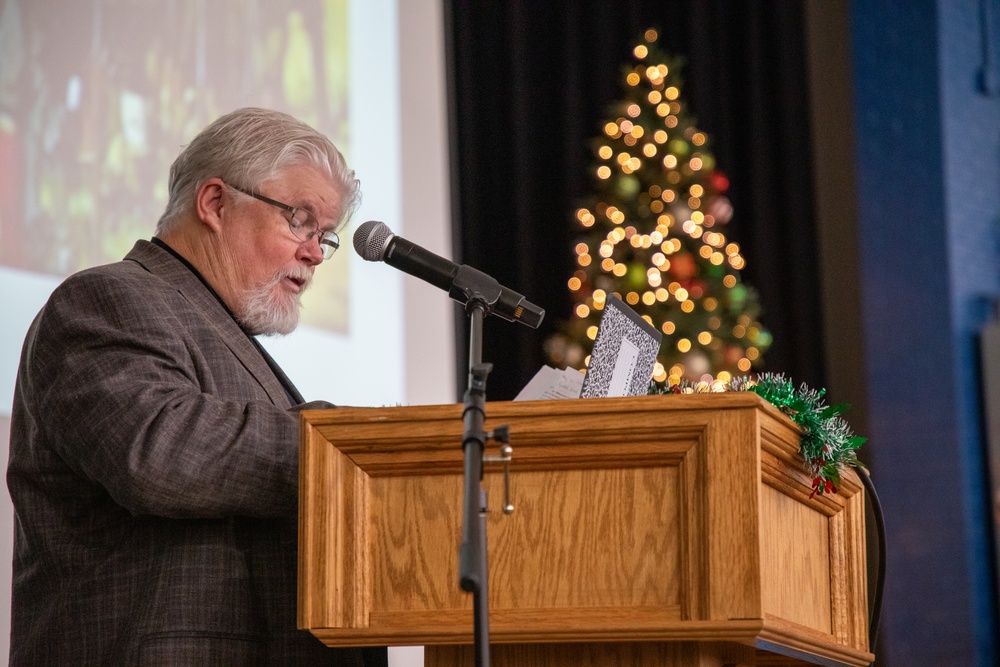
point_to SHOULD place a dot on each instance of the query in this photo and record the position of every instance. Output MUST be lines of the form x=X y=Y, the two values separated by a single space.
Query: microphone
x=375 y=242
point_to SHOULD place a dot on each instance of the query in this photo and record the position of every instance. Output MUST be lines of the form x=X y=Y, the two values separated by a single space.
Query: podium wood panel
x=659 y=524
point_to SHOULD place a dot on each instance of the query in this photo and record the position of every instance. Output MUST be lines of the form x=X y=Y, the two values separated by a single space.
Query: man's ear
x=208 y=203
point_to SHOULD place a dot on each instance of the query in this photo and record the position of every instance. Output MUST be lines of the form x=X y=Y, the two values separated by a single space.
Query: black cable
x=875 y=609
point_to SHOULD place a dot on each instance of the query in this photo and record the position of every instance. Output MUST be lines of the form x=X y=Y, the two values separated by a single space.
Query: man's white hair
x=247 y=147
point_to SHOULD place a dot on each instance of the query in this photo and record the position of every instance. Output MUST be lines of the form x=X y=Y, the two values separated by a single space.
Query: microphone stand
x=472 y=559
x=482 y=296
x=480 y=293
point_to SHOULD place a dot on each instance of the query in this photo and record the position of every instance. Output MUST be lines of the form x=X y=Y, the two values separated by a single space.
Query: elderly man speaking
x=154 y=443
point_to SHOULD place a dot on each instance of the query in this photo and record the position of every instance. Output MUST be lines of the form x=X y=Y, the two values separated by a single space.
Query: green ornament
x=707 y=161
x=679 y=147
x=737 y=297
x=636 y=276
x=628 y=186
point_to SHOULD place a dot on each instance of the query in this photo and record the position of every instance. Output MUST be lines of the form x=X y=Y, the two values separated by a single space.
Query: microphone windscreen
x=371 y=239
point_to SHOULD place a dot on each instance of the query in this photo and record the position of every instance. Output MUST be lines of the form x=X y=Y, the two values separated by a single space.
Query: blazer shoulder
x=147 y=275
x=106 y=286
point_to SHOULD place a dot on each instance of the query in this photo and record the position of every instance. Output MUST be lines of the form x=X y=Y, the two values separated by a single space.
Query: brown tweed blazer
x=153 y=469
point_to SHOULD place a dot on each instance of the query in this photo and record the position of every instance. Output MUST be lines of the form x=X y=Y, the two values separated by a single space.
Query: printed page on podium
x=552 y=383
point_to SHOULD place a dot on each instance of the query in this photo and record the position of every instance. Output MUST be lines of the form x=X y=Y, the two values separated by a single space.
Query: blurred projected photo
x=95 y=105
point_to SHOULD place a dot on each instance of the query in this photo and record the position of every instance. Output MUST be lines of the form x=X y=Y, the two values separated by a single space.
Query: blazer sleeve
x=136 y=392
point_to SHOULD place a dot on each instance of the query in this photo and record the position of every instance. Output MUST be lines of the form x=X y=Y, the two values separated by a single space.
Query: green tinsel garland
x=828 y=445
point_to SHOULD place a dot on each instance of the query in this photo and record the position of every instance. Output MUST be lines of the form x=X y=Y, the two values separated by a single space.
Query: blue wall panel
x=928 y=152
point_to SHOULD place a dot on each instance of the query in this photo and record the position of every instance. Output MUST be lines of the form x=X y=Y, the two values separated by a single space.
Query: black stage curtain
x=530 y=83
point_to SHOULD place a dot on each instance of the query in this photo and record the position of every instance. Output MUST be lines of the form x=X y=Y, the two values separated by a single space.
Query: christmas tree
x=652 y=234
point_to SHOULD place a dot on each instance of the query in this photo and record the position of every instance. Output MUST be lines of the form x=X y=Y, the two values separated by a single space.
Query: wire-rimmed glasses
x=302 y=224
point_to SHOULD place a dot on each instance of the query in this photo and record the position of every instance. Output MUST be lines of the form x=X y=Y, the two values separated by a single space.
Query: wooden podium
x=660 y=530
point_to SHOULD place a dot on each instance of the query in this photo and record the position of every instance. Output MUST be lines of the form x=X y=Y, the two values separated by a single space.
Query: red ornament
x=719 y=181
x=732 y=354
x=682 y=267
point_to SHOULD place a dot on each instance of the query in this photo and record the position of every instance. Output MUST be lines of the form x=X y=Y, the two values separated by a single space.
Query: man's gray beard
x=270 y=312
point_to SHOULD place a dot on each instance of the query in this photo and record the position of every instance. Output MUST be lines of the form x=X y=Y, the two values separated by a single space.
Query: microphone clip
x=472 y=286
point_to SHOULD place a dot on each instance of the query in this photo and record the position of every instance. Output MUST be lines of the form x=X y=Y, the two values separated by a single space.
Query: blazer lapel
x=161 y=263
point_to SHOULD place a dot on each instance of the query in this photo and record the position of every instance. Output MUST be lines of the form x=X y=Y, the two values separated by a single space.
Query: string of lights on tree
x=652 y=233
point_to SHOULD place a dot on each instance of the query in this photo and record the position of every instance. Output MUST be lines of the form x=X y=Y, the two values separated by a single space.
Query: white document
x=551 y=383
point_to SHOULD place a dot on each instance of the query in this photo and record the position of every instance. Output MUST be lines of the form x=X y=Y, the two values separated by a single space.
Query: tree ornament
x=628 y=186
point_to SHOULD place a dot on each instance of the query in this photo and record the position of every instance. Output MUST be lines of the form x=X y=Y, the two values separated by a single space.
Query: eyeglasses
x=302 y=223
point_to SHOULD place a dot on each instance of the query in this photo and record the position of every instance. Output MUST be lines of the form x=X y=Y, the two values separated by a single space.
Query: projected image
x=98 y=97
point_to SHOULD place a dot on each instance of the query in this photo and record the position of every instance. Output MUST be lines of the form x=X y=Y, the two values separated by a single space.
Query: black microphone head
x=371 y=240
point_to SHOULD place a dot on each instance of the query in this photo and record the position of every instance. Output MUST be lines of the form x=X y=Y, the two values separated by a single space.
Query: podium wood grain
x=652 y=526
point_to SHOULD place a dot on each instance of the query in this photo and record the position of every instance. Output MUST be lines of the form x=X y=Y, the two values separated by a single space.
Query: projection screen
x=95 y=106
x=97 y=97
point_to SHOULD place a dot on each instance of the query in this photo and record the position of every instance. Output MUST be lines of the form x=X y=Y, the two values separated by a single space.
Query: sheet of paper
x=552 y=383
